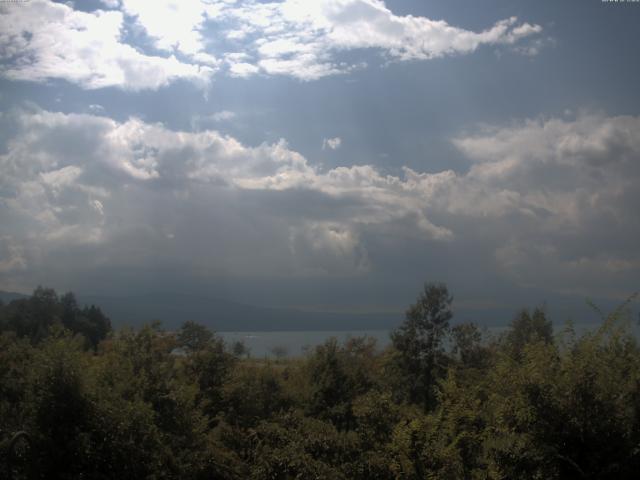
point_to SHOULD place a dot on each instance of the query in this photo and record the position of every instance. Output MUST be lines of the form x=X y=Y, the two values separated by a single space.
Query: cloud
x=200 y=122
x=223 y=115
x=241 y=69
x=96 y=108
x=175 y=26
x=331 y=143
x=41 y=40
x=547 y=202
x=111 y=3
x=304 y=39
x=11 y=255
x=79 y=182
x=327 y=248
x=574 y=183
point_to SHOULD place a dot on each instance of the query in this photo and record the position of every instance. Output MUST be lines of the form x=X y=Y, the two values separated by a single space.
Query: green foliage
x=467 y=345
x=239 y=349
x=209 y=367
x=337 y=376
x=419 y=343
x=58 y=406
x=294 y=446
x=153 y=404
x=527 y=328
x=571 y=413
x=193 y=337
x=16 y=357
x=35 y=317
x=253 y=392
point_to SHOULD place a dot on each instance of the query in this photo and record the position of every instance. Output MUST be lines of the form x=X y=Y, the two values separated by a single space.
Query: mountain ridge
x=172 y=309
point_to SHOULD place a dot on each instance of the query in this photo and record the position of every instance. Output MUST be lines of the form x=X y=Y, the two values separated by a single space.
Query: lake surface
x=295 y=343
x=261 y=344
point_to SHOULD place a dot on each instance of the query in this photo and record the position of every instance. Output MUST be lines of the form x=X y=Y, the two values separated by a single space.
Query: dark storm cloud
x=139 y=195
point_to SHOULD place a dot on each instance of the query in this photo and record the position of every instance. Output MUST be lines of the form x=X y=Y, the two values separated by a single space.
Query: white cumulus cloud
x=303 y=38
x=331 y=143
x=41 y=40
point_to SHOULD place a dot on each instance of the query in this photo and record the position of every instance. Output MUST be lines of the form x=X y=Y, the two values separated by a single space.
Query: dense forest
x=443 y=401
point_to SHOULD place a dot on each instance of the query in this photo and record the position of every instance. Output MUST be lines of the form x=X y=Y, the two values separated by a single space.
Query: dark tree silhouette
x=419 y=341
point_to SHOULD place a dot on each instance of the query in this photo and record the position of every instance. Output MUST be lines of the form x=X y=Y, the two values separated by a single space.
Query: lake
x=295 y=343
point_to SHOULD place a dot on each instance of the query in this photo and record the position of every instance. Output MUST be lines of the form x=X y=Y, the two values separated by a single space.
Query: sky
x=329 y=155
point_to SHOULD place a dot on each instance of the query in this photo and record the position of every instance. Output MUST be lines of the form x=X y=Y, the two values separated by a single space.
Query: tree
x=96 y=325
x=208 y=363
x=279 y=351
x=88 y=321
x=419 y=342
x=59 y=406
x=253 y=393
x=35 y=317
x=467 y=345
x=527 y=328
x=239 y=349
x=194 y=337
x=337 y=375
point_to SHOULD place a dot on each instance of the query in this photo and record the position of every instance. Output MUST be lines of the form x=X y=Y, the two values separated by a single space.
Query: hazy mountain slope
x=6 y=297
x=224 y=315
